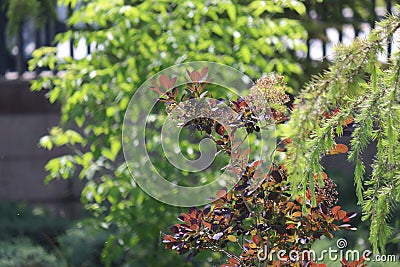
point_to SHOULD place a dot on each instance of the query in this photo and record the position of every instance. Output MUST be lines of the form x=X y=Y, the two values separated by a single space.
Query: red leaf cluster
x=253 y=215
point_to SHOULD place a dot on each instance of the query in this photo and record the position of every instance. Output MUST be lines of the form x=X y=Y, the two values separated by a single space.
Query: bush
x=259 y=212
x=82 y=244
x=21 y=252
x=17 y=219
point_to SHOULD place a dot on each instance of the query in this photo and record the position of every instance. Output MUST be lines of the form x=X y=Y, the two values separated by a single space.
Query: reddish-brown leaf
x=168 y=239
x=290 y=226
x=207 y=224
x=203 y=73
x=297 y=214
x=341 y=148
x=340 y=215
x=256 y=239
x=323 y=175
x=221 y=193
x=348 y=120
x=335 y=209
x=166 y=82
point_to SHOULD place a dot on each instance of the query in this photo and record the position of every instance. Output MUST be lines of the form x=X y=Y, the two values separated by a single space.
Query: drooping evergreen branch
x=380 y=197
x=355 y=85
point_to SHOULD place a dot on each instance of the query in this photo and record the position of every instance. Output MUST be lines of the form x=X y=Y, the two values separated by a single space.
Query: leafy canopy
x=134 y=40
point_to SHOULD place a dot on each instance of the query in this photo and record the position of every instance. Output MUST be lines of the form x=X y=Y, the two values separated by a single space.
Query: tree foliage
x=359 y=86
x=134 y=40
x=21 y=11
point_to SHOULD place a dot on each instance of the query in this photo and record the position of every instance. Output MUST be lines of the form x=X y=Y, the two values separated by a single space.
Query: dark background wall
x=25 y=117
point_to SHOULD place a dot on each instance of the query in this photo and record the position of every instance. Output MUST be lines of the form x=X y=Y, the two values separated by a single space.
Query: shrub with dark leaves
x=258 y=217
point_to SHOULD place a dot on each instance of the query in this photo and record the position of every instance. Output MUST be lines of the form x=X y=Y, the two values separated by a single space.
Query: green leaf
x=217 y=29
x=245 y=54
x=46 y=142
x=231 y=9
x=298 y=6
